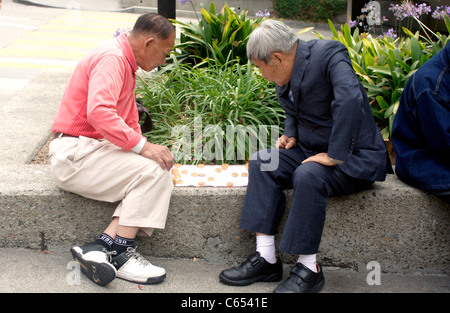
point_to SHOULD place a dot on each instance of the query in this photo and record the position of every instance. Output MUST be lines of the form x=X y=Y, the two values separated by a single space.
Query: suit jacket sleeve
x=290 y=126
x=346 y=108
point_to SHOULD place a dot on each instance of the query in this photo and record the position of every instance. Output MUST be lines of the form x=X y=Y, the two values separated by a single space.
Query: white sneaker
x=94 y=263
x=134 y=267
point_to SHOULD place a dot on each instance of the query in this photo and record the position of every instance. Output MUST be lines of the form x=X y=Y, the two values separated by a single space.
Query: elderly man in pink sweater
x=100 y=153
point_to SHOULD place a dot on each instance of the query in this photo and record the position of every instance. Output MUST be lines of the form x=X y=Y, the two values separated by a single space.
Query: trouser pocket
x=66 y=156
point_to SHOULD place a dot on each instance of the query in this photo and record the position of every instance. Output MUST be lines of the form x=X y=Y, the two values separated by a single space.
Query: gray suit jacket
x=330 y=111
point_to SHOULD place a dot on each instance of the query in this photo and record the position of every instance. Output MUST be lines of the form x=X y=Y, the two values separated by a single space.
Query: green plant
x=223 y=100
x=219 y=36
x=384 y=65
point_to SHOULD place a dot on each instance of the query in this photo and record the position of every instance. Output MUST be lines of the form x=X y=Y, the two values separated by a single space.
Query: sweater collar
x=125 y=45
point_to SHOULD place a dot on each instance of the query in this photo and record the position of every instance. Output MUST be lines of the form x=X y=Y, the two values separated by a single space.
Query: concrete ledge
x=404 y=229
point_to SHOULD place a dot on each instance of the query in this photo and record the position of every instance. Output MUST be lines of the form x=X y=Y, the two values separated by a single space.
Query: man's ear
x=148 y=42
x=278 y=57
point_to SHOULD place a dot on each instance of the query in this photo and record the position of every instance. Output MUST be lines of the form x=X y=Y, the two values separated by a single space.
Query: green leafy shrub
x=384 y=65
x=219 y=36
x=222 y=99
x=209 y=103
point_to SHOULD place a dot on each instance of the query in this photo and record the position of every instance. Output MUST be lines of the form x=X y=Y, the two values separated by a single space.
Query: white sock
x=308 y=260
x=265 y=245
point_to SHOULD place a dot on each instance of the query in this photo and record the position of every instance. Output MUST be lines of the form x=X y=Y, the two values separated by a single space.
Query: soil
x=42 y=156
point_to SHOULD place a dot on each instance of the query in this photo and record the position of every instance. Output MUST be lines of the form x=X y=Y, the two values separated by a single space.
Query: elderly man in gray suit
x=331 y=146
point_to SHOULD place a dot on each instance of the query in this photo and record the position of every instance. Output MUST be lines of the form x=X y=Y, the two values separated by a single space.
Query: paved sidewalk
x=31 y=271
x=183 y=15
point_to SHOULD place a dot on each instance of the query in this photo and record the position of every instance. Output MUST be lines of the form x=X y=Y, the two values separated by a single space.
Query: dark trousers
x=312 y=183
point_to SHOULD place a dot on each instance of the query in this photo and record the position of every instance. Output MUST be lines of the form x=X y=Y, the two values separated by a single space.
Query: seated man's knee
x=154 y=171
x=309 y=174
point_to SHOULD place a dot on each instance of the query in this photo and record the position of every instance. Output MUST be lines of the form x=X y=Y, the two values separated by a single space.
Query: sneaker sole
x=149 y=281
x=245 y=282
x=100 y=273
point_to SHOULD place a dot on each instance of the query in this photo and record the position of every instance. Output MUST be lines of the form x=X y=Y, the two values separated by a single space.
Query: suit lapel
x=300 y=64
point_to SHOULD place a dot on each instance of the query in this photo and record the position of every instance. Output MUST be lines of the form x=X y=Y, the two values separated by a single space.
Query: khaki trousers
x=99 y=170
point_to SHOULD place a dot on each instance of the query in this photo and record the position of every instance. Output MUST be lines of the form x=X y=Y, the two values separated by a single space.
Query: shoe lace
x=131 y=252
x=110 y=254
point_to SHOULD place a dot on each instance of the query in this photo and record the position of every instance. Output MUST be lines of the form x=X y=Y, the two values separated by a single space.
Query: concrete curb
x=405 y=230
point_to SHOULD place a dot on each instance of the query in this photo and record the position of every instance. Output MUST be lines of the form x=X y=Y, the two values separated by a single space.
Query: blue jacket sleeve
x=346 y=107
x=290 y=126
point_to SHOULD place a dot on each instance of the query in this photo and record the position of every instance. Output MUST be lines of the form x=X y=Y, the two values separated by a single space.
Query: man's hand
x=321 y=158
x=285 y=142
x=160 y=154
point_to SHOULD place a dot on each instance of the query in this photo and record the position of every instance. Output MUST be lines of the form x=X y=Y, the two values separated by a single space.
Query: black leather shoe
x=256 y=268
x=302 y=280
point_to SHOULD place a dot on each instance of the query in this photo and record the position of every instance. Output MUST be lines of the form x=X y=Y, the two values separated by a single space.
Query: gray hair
x=271 y=36
x=152 y=23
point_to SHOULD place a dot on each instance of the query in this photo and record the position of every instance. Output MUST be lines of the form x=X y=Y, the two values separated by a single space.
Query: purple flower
x=182 y=2
x=407 y=9
x=120 y=31
x=352 y=24
x=441 y=12
x=390 y=34
x=266 y=13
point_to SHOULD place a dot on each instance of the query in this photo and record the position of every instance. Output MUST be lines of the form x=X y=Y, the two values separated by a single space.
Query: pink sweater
x=99 y=99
